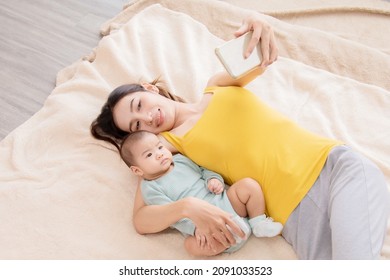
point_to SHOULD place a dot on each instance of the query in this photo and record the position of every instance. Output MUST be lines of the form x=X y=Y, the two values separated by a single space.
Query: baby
x=168 y=178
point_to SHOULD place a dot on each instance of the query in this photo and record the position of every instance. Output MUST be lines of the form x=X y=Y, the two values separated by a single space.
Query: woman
x=333 y=202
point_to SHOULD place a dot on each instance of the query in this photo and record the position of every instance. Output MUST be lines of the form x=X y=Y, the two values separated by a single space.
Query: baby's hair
x=126 y=149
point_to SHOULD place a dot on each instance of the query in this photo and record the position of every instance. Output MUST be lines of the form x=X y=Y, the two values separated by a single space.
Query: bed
x=65 y=195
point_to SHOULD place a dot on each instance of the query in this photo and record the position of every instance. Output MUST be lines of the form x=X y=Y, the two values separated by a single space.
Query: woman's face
x=144 y=111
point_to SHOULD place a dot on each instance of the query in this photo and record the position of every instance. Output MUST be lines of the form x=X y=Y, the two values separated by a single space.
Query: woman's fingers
x=235 y=229
x=263 y=34
x=244 y=28
x=211 y=221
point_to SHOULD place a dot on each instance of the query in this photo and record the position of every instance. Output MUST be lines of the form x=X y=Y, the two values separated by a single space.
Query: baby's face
x=152 y=157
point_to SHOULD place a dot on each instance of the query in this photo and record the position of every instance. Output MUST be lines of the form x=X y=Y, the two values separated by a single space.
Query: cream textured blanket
x=65 y=195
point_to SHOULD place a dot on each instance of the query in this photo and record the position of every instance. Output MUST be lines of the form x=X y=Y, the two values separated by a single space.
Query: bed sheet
x=65 y=195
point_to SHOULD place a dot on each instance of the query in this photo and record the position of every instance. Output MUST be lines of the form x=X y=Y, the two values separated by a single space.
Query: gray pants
x=344 y=215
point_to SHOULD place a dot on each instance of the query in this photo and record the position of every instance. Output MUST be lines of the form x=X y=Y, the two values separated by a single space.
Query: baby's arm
x=215 y=186
x=214 y=181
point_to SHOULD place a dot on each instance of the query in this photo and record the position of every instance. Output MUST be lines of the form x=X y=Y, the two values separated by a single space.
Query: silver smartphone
x=231 y=55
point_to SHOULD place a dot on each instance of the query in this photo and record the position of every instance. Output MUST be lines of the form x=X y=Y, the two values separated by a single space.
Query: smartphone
x=231 y=55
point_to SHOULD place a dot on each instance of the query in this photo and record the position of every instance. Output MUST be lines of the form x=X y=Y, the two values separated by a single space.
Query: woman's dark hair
x=104 y=128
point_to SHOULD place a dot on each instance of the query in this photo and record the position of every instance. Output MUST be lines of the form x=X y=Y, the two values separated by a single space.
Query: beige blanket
x=65 y=195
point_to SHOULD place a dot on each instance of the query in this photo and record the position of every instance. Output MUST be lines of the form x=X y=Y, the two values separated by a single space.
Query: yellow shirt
x=239 y=136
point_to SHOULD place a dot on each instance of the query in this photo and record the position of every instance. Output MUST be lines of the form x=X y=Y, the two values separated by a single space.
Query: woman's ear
x=150 y=87
x=136 y=170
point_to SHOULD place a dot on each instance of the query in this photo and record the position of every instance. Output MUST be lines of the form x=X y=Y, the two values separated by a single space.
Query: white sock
x=265 y=227
x=256 y=220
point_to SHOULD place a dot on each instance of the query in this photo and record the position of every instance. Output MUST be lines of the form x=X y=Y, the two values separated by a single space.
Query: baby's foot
x=263 y=226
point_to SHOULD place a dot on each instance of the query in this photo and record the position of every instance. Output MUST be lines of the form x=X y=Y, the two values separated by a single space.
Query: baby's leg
x=194 y=249
x=246 y=198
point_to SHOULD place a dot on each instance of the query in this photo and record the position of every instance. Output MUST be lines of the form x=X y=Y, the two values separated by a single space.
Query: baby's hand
x=215 y=186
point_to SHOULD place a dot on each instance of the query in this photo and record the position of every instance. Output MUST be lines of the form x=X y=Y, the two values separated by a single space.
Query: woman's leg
x=358 y=208
x=344 y=215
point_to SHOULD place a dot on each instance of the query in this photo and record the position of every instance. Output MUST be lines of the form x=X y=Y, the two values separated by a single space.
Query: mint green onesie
x=186 y=179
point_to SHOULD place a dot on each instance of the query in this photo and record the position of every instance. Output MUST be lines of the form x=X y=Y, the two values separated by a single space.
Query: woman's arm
x=223 y=79
x=155 y=218
x=263 y=33
x=208 y=218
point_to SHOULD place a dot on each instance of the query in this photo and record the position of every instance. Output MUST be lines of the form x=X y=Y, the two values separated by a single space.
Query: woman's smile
x=159 y=118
